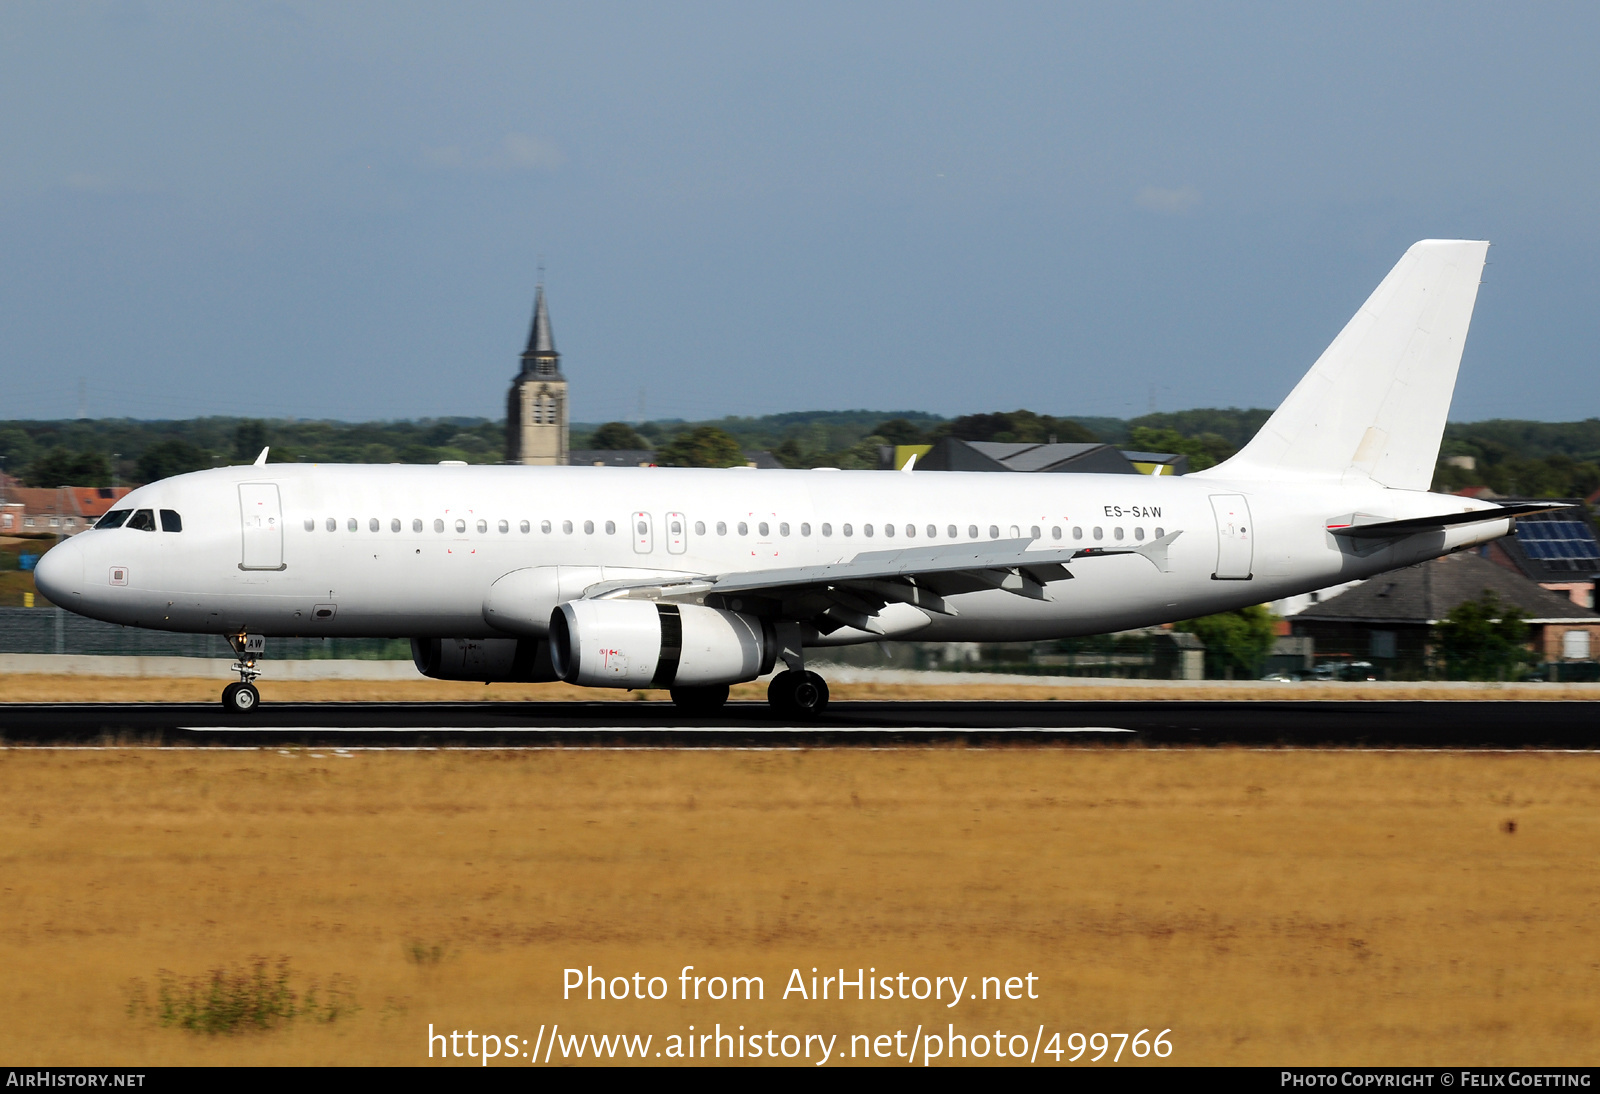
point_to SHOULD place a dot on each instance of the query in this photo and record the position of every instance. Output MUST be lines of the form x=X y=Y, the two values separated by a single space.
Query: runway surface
x=1566 y=725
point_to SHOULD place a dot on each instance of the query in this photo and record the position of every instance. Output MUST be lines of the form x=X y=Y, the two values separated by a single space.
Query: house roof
x=611 y=457
x=84 y=501
x=953 y=454
x=646 y=457
x=1430 y=591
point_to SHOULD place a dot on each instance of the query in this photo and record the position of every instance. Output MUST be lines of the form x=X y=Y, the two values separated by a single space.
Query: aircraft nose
x=59 y=573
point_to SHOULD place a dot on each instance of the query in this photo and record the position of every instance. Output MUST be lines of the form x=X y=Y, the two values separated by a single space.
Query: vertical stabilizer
x=1373 y=407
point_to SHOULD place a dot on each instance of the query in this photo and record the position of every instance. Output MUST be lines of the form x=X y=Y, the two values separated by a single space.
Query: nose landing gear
x=243 y=698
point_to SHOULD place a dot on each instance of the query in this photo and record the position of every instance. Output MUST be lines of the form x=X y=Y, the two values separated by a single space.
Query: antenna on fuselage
x=261 y=460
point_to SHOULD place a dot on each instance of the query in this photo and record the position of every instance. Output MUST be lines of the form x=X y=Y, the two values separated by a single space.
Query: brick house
x=1389 y=619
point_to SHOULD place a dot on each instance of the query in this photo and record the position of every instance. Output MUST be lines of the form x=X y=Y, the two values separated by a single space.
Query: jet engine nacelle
x=491 y=660
x=643 y=644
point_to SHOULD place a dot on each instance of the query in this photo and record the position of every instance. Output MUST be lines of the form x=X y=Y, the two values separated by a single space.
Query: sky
x=341 y=210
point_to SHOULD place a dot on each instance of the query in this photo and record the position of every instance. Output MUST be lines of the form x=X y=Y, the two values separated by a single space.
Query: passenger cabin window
x=1099 y=533
x=866 y=530
x=1034 y=531
x=1055 y=531
x=143 y=521
x=544 y=527
x=394 y=525
x=744 y=529
x=525 y=528
x=972 y=531
x=611 y=528
x=1117 y=531
x=722 y=528
x=483 y=527
x=588 y=527
x=373 y=525
x=805 y=529
x=827 y=529
x=114 y=519
x=1138 y=533
x=171 y=521
x=331 y=525
x=888 y=530
x=504 y=526
x=351 y=524
x=699 y=527
x=762 y=528
x=952 y=531
x=566 y=526
x=1077 y=533
x=994 y=531
x=1160 y=533
x=416 y=525
x=461 y=526
x=933 y=532
x=847 y=530
x=438 y=525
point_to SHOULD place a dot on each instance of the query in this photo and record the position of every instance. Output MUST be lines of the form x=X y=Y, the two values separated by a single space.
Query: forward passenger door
x=261 y=517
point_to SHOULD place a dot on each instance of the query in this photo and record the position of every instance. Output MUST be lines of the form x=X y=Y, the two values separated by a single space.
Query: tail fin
x=1373 y=407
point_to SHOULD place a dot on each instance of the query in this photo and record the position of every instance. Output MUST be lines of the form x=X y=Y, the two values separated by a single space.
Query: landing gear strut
x=243 y=698
x=798 y=693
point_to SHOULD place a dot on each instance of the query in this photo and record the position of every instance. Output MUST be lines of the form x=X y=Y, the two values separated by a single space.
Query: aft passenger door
x=261 y=518
x=1235 y=540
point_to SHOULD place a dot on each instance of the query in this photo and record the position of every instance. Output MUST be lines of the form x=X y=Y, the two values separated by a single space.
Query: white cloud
x=520 y=150
x=1160 y=200
x=516 y=152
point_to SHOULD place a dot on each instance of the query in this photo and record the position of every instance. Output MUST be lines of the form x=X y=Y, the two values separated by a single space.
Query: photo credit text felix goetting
x=577 y=1032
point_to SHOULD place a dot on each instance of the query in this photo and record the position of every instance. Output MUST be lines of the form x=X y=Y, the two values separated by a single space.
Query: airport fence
x=52 y=630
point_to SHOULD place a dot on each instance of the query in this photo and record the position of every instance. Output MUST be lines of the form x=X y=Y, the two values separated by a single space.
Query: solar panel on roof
x=1557 y=541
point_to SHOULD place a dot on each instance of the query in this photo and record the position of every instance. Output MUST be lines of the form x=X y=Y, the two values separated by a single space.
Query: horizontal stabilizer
x=1358 y=528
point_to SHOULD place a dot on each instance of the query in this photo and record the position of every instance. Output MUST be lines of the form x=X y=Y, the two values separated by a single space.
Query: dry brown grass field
x=43 y=688
x=1269 y=907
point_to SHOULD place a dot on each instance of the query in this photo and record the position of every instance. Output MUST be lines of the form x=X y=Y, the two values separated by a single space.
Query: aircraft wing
x=1359 y=526
x=850 y=592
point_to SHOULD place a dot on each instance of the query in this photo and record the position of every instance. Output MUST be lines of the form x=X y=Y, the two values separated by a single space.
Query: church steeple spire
x=541 y=358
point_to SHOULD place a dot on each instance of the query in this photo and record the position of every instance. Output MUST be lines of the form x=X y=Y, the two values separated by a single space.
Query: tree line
x=1517 y=458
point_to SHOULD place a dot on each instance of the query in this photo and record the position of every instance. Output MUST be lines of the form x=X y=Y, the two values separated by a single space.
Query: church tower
x=536 y=411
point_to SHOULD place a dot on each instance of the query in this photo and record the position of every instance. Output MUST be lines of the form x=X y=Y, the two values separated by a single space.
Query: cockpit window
x=143 y=521
x=114 y=519
x=171 y=521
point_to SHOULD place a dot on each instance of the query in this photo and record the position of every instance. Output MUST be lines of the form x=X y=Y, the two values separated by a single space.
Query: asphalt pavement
x=1409 y=724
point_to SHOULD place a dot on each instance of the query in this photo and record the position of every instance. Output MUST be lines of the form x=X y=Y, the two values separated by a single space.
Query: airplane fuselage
x=412 y=551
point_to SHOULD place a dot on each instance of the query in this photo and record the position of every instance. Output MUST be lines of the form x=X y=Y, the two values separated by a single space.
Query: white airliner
x=693 y=580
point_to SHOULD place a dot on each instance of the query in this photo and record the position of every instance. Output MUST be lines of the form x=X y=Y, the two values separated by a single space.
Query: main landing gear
x=243 y=698
x=798 y=693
